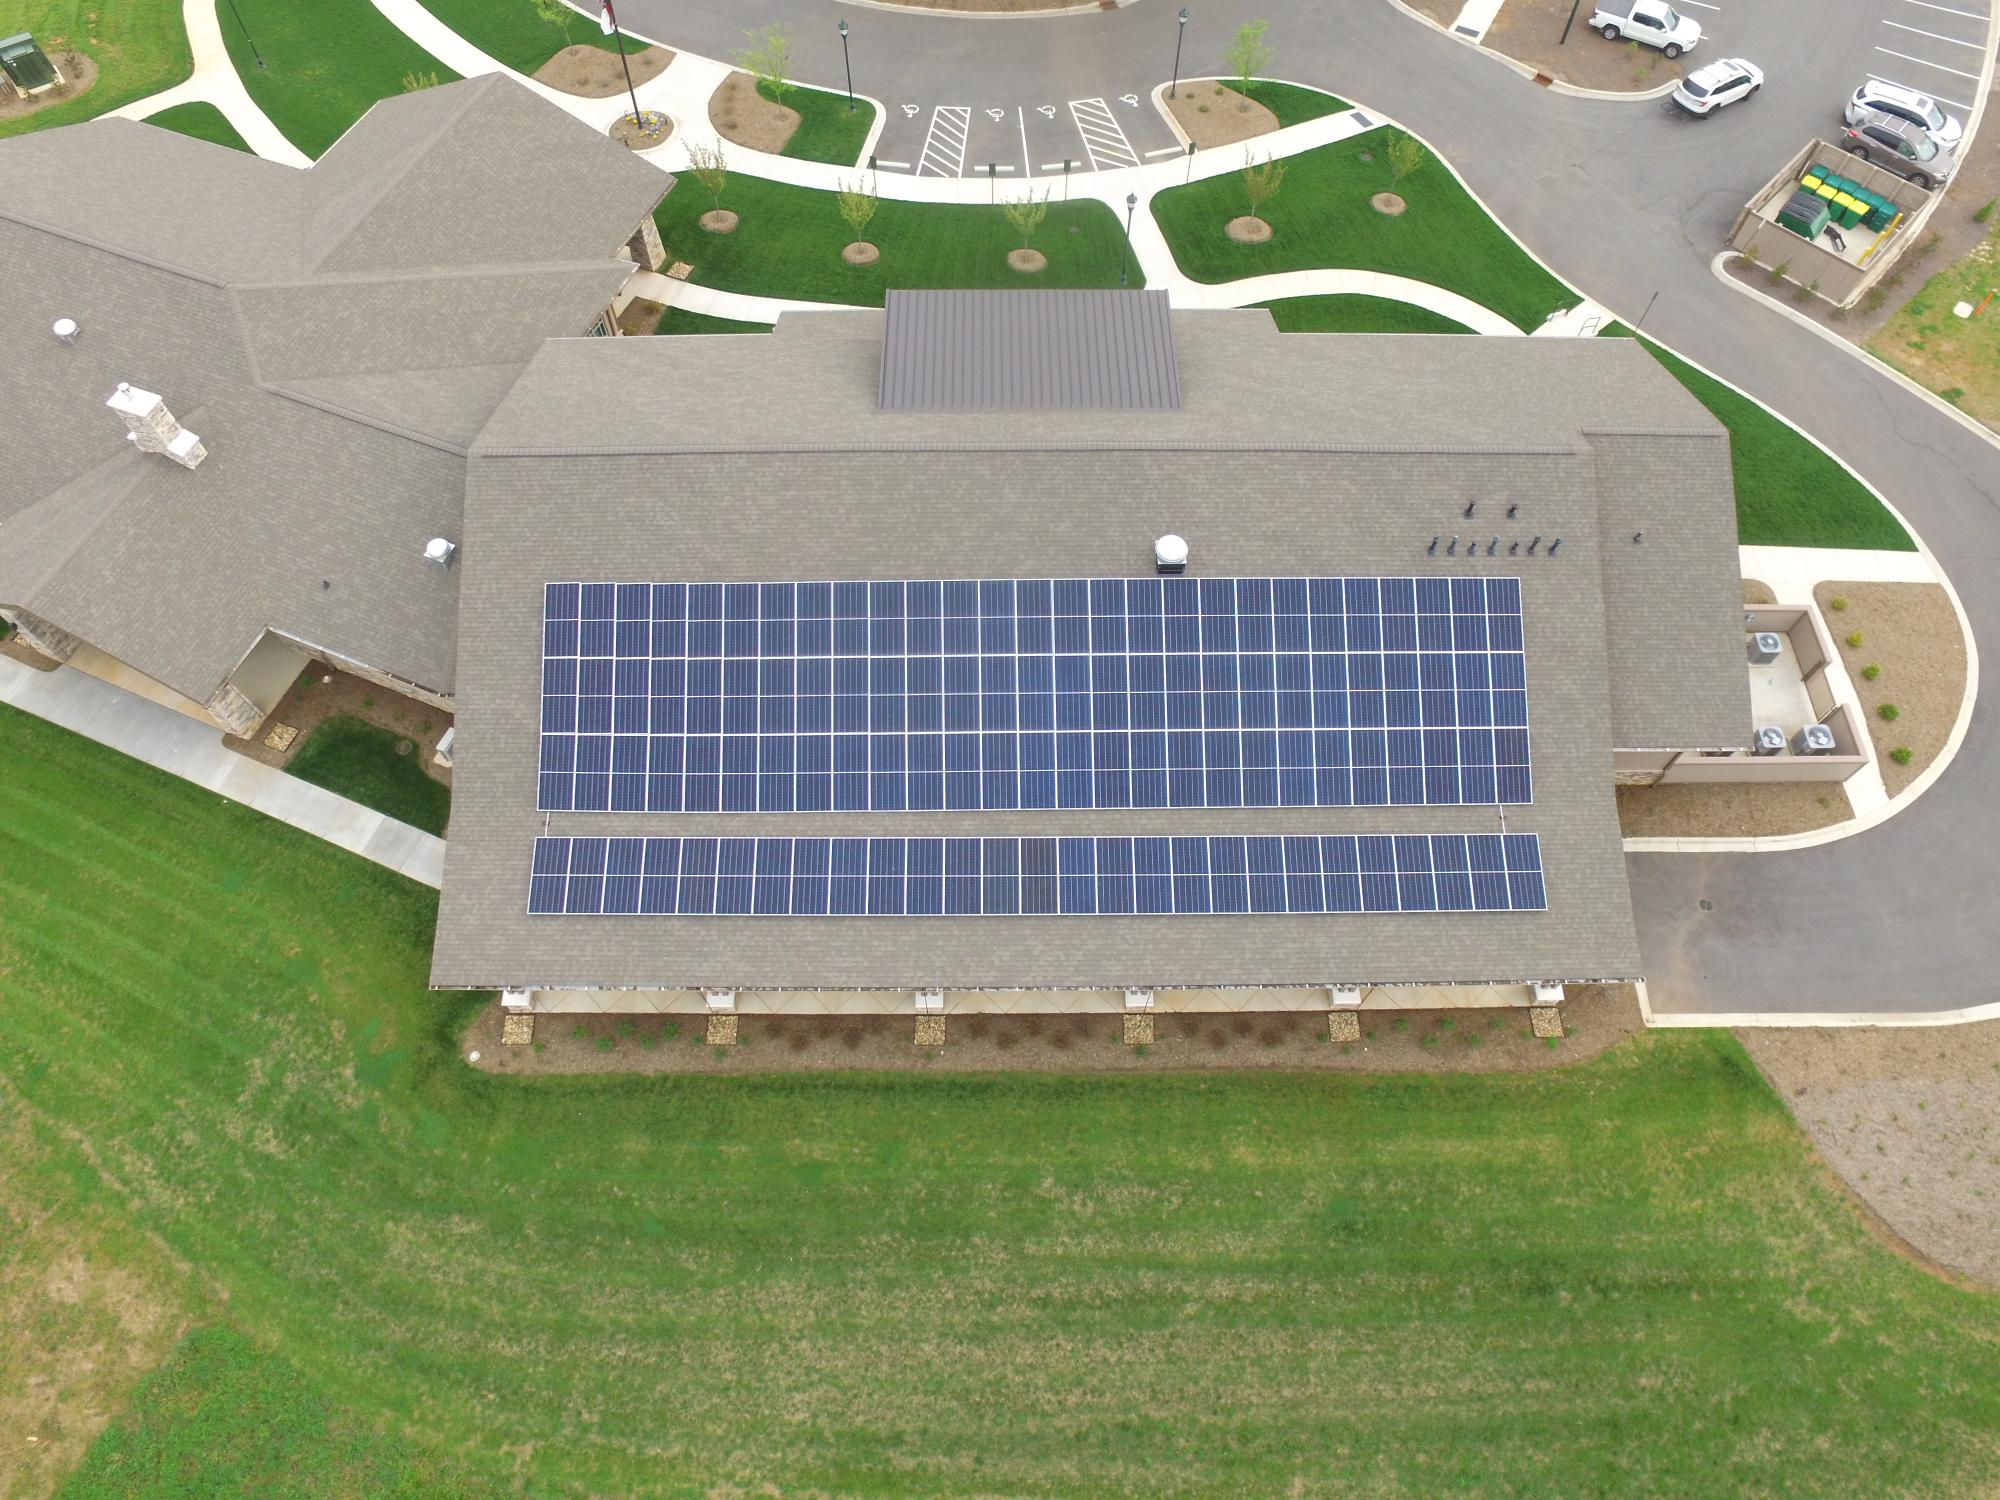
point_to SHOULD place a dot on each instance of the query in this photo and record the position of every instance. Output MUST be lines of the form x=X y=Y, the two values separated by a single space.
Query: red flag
x=606 y=21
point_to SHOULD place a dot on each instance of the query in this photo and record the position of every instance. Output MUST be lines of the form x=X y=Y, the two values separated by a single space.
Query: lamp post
x=1131 y=203
x=1179 y=37
x=845 y=63
x=246 y=33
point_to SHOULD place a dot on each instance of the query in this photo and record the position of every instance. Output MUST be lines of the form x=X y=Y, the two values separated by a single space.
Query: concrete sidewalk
x=215 y=81
x=194 y=752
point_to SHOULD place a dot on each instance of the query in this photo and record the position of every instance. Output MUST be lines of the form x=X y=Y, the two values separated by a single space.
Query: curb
x=1826 y=1019
x=1515 y=65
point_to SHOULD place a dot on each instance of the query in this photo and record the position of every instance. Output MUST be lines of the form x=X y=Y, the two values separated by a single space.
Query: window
x=602 y=327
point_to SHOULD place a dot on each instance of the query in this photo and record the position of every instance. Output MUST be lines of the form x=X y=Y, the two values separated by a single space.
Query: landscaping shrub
x=1889 y=713
x=1901 y=755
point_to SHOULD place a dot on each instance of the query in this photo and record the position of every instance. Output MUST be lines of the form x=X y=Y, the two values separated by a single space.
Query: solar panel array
x=991 y=877
x=961 y=695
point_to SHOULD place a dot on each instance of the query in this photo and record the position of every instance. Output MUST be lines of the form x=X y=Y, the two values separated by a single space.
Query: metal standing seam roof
x=1029 y=351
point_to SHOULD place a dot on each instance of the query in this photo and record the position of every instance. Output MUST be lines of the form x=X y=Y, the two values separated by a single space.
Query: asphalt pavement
x=1629 y=202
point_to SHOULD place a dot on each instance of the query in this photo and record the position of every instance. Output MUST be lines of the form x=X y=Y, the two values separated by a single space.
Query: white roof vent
x=150 y=426
x=1170 y=554
x=66 y=329
x=438 y=552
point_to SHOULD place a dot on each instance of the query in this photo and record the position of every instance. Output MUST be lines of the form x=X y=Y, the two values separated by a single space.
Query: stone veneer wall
x=55 y=643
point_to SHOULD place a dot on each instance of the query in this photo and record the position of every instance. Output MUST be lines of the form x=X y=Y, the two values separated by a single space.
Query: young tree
x=1261 y=181
x=709 y=169
x=857 y=206
x=768 y=56
x=413 y=82
x=1406 y=153
x=1027 y=215
x=1249 y=55
x=555 y=13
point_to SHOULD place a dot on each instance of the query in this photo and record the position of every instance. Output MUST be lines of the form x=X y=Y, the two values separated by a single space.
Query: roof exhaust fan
x=66 y=329
x=1170 y=554
x=439 y=552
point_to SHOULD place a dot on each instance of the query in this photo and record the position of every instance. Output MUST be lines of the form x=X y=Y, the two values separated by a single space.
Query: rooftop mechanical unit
x=1766 y=646
x=1770 y=740
x=1814 y=739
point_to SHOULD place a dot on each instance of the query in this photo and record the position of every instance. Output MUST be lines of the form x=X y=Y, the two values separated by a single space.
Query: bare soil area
x=1530 y=31
x=641 y=316
x=1410 y=1041
x=323 y=692
x=79 y=73
x=1909 y=1118
x=1729 y=809
x=593 y=73
x=1214 y=114
x=1911 y=632
x=744 y=116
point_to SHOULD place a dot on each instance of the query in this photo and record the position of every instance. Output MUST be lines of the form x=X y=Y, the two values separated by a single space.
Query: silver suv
x=1897 y=146
x=1905 y=104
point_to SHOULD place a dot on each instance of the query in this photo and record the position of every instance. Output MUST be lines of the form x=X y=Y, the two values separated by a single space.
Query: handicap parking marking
x=1103 y=138
x=944 y=144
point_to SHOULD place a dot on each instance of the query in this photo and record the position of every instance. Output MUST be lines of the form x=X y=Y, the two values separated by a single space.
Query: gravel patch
x=1343 y=1026
x=517 y=1030
x=1139 y=1031
x=1909 y=1119
x=1911 y=632
x=930 y=1031
x=1546 y=1021
x=721 y=1031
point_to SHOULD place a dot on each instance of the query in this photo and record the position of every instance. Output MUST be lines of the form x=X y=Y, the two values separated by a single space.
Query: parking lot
x=1019 y=141
x=1936 y=48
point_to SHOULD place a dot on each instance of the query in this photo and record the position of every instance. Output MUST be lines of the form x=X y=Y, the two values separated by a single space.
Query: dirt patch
x=1729 y=809
x=1214 y=114
x=651 y=129
x=1909 y=1119
x=593 y=73
x=1247 y=230
x=744 y=116
x=1756 y=591
x=322 y=692
x=1444 y=12
x=860 y=253
x=1413 y=1041
x=79 y=73
x=1530 y=31
x=641 y=316
x=1387 y=203
x=1027 y=262
x=719 y=221
x=1910 y=632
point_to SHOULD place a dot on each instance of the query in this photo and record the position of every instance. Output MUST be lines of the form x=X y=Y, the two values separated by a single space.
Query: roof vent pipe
x=1170 y=554
x=66 y=329
x=439 y=552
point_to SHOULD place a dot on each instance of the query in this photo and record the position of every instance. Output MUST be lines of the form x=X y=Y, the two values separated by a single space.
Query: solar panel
x=962 y=695
x=994 y=877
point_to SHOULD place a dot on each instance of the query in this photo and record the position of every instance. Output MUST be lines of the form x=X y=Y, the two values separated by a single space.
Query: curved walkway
x=215 y=81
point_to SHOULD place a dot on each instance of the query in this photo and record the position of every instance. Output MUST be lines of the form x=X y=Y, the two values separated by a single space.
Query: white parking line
x=1975 y=46
x=1164 y=151
x=944 y=145
x=1958 y=103
x=1970 y=15
x=1960 y=72
x=1027 y=161
x=1700 y=6
x=1102 y=137
x=883 y=161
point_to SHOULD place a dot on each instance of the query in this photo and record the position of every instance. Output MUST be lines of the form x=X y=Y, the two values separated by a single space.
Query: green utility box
x=27 y=66
x=1805 y=214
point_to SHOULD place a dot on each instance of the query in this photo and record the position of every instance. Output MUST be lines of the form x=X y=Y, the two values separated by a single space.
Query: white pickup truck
x=1653 y=22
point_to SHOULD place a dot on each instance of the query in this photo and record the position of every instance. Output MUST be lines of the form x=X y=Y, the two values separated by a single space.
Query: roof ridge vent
x=150 y=426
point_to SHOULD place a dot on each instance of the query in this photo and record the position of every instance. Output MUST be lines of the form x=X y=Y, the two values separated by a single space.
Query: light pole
x=1131 y=203
x=847 y=65
x=1179 y=37
x=246 y=33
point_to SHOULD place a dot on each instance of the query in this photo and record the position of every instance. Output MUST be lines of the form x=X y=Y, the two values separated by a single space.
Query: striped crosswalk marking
x=1102 y=137
x=944 y=145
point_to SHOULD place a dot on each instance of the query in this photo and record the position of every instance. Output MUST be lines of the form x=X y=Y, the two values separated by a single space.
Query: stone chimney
x=153 y=427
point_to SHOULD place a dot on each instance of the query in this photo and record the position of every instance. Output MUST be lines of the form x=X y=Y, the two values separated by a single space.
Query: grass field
x=675 y=320
x=789 y=241
x=363 y=762
x=1627 y=1277
x=325 y=64
x=1320 y=217
x=828 y=129
x=510 y=32
x=201 y=120
x=1789 y=493
x=1959 y=358
x=140 y=47
x=1354 y=313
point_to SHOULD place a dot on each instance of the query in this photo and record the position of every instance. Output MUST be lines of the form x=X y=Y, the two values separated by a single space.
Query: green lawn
x=140 y=47
x=1629 y=1277
x=1320 y=217
x=788 y=244
x=675 y=320
x=1789 y=493
x=326 y=63
x=828 y=129
x=1354 y=313
x=1291 y=103
x=201 y=120
x=376 y=767
x=510 y=32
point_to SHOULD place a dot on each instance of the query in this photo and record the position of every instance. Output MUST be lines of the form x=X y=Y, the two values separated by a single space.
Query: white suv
x=1920 y=110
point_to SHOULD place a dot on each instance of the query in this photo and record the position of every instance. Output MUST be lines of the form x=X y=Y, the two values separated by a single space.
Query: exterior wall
x=370 y=674
x=55 y=643
x=234 y=711
x=268 y=672
x=1840 y=282
x=1026 y=1002
x=646 y=249
x=94 y=663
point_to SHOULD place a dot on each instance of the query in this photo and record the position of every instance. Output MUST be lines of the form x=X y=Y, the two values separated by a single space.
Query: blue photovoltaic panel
x=964 y=695
x=996 y=877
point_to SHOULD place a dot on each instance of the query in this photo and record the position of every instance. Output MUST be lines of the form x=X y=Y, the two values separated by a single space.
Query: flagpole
x=638 y=120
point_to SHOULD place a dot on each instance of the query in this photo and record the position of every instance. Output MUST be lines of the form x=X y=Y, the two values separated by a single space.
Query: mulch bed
x=641 y=316
x=744 y=116
x=313 y=699
x=1911 y=631
x=1412 y=1041
x=1530 y=31
x=593 y=73
x=1729 y=809
x=1214 y=114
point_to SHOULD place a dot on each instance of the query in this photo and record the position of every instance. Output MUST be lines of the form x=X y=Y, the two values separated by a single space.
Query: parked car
x=1653 y=22
x=1897 y=146
x=1710 y=87
x=1905 y=104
